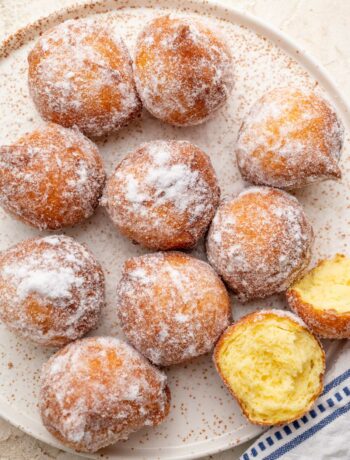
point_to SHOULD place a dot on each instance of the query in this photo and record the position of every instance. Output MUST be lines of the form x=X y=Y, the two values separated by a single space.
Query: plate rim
x=219 y=10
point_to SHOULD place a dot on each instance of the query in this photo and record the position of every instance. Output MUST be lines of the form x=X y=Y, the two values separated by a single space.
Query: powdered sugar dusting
x=52 y=239
x=183 y=71
x=98 y=378
x=291 y=137
x=164 y=194
x=74 y=68
x=259 y=316
x=51 y=177
x=53 y=284
x=175 y=310
x=173 y=183
x=51 y=289
x=201 y=409
x=260 y=242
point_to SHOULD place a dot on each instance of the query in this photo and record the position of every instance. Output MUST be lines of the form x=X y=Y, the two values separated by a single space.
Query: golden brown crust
x=260 y=242
x=250 y=318
x=97 y=391
x=327 y=324
x=163 y=195
x=290 y=138
x=172 y=307
x=51 y=177
x=183 y=71
x=105 y=423
x=51 y=290
x=80 y=74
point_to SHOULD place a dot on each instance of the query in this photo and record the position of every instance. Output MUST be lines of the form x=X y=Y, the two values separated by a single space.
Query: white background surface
x=320 y=26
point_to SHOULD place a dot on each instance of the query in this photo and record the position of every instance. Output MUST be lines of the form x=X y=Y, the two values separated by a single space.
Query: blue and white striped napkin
x=321 y=434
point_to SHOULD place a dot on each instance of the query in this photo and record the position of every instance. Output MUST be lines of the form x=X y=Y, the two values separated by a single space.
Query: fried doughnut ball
x=260 y=242
x=183 y=71
x=171 y=306
x=51 y=290
x=80 y=74
x=51 y=178
x=322 y=298
x=163 y=195
x=97 y=391
x=290 y=138
x=272 y=365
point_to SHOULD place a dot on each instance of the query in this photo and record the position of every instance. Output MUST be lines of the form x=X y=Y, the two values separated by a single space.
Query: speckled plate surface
x=204 y=419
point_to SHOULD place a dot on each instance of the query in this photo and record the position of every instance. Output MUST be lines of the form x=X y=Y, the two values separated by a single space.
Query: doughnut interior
x=327 y=286
x=273 y=367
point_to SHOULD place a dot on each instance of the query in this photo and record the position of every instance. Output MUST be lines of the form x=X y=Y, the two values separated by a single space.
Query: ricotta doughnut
x=290 y=138
x=80 y=74
x=52 y=290
x=51 y=178
x=272 y=365
x=97 y=391
x=183 y=70
x=163 y=195
x=322 y=298
x=171 y=306
x=260 y=242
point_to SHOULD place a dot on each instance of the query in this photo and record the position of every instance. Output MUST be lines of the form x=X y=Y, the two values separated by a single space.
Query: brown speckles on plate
x=203 y=418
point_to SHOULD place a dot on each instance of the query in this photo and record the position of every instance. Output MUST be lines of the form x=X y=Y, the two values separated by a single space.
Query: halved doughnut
x=272 y=365
x=322 y=298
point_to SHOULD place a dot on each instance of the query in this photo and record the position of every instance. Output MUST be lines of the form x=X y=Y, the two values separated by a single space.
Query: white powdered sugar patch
x=178 y=184
x=80 y=62
x=53 y=284
x=171 y=86
x=176 y=310
x=51 y=177
x=53 y=240
x=159 y=192
x=161 y=153
x=260 y=245
x=180 y=318
x=75 y=400
x=60 y=280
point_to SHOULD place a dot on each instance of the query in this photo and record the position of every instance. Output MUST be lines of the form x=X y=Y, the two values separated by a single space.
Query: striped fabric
x=293 y=440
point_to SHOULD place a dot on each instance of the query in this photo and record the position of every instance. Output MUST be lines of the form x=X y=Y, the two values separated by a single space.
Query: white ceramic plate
x=204 y=419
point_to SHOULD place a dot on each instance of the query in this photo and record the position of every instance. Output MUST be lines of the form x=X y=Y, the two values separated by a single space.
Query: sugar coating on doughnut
x=80 y=73
x=96 y=391
x=51 y=177
x=259 y=315
x=163 y=195
x=289 y=139
x=260 y=242
x=51 y=289
x=183 y=70
x=171 y=306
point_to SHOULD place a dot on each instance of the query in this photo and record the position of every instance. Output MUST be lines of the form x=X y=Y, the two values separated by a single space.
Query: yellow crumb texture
x=273 y=366
x=327 y=287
